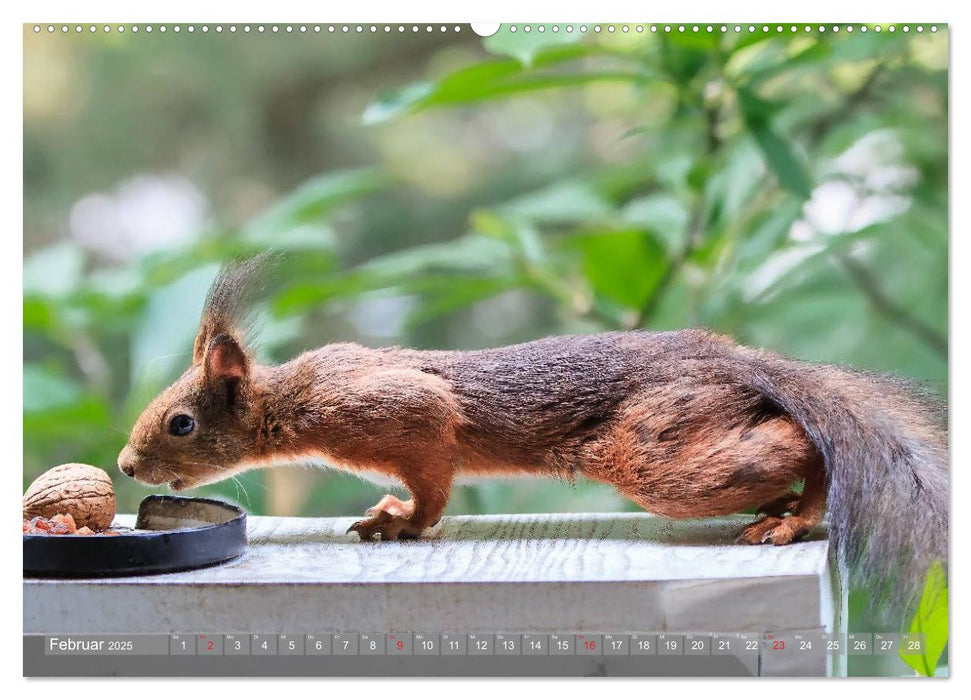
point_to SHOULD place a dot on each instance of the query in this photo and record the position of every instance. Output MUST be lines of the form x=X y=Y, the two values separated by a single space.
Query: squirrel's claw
x=773 y=530
x=388 y=526
x=390 y=519
x=362 y=529
x=759 y=532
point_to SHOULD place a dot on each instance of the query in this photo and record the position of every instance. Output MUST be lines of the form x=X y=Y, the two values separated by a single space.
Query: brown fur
x=686 y=424
x=682 y=447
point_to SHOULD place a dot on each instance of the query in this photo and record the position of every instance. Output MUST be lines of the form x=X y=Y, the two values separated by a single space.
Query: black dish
x=171 y=533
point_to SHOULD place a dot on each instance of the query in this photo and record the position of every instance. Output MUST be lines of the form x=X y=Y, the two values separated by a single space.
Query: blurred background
x=440 y=190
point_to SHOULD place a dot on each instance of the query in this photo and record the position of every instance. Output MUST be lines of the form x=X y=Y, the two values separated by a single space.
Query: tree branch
x=693 y=231
x=852 y=101
x=883 y=304
x=866 y=281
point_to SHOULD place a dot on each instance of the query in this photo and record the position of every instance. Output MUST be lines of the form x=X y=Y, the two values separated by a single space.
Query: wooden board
x=550 y=573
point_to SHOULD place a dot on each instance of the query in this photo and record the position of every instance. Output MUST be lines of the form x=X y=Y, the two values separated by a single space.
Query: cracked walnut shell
x=79 y=490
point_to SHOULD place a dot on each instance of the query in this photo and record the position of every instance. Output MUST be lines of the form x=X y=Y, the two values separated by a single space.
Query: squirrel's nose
x=126 y=461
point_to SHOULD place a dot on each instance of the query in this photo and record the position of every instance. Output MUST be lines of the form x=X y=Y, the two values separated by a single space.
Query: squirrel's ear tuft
x=225 y=358
x=230 y=297
x=199 y=346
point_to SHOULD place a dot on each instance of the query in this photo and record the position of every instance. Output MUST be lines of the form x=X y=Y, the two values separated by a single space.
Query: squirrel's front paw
x=383 y=523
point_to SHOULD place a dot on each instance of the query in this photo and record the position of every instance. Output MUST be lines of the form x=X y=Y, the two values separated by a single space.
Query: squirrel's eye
x=182 y=425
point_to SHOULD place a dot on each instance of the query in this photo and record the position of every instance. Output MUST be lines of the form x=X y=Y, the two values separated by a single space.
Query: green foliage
x=778 y=154
x=930 y=620
x=624 y=266
x=525 y=46
x=79 y=400
x=295 y=221
x=461 y=195
x=537 y=67
x=703 y=236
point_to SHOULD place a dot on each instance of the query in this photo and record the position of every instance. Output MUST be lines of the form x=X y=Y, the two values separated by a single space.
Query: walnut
x=79 y=490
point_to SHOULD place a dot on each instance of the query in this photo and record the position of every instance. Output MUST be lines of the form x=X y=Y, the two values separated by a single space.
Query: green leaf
x=562 y=203
x=625 y=266
x=312 y=201
x=58 y=412
x=779 y=156
x=684 y=56
x=761 y=62
x=459 y=293
x=767 y=233
x=45 y=388
x=306 y=238
x=661 y=214
x=519 y=234
x=40 y=315
x=469 y=90
x=524 y=46
x=83 y=424
x=746 y=39
x=468 y=254
x=162 y=342
x=930 y=620
x=406 y=270
x=504 y=78
x=391 y=104
x=54 y=271
x=115 y=282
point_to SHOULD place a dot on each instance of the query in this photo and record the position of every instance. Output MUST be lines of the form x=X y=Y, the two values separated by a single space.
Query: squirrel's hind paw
x=773 y=530
x=385 y=525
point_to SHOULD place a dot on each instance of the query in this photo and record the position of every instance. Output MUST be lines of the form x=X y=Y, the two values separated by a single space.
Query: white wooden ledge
x=490 y=574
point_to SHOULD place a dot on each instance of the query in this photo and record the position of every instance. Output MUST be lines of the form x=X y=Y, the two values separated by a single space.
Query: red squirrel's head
x=204 y=426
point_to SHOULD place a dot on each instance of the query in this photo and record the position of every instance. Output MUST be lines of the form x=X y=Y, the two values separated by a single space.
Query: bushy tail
x=886 y=454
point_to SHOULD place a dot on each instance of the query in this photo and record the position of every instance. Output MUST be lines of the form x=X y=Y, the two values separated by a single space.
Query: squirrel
x=684 y=423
